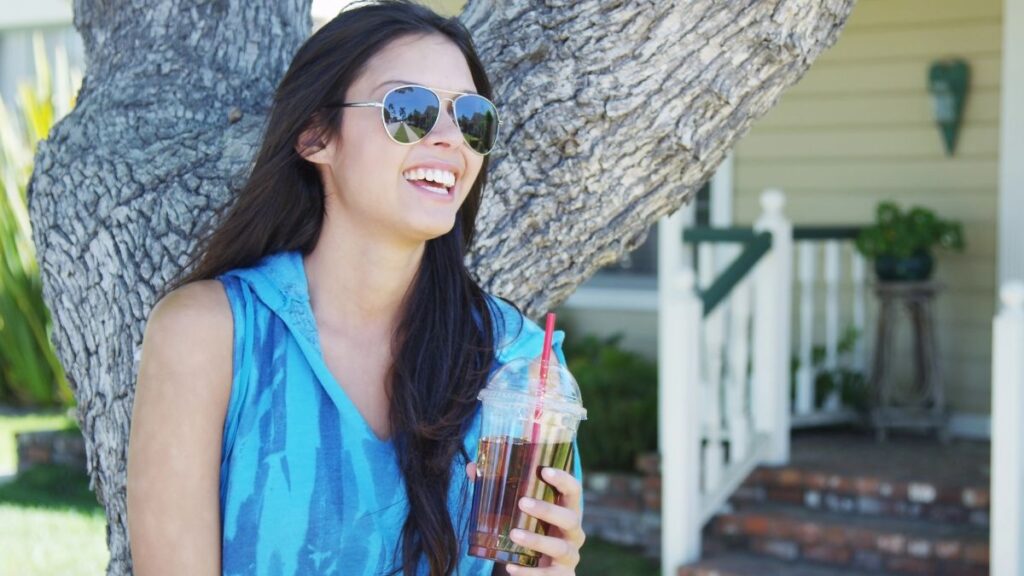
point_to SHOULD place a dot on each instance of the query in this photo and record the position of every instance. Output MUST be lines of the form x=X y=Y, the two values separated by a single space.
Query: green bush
x=30 y=374
x=620 y=393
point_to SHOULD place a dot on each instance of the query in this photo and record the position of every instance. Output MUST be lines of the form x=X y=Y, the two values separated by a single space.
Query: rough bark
x=621 y=110
x=615 y=113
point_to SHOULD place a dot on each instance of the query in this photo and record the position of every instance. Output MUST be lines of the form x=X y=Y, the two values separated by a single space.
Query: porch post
x=774 y=297
x=679 y=321
x=1011 y=146
x=1007 y=526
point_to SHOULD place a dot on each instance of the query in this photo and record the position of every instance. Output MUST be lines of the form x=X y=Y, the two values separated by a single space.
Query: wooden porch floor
x=904 y=457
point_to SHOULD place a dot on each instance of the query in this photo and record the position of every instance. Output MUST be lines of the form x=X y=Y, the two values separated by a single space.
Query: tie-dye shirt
x=306 y=486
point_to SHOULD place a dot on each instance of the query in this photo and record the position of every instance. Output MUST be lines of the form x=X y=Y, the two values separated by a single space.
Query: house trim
x=970 y=426
x=722 y=193
x=610 y=298
x=1011 y=146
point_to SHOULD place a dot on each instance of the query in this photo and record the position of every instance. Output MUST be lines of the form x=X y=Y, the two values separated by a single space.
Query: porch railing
x=725 y=354
x=1007 y=526
x=833 y=248
x=723 y=368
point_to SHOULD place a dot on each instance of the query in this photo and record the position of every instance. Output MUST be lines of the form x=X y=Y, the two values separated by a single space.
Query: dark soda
x=509 y=469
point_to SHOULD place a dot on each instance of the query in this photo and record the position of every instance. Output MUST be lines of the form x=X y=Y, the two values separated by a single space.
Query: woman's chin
x=431 y=230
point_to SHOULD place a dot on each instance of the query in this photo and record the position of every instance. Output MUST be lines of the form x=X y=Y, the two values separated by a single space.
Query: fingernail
x=511 y=568
x=516 y=534
x=548 y=472
x=526 y=503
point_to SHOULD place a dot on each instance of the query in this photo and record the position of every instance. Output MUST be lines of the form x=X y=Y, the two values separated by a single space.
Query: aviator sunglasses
x=411 y=111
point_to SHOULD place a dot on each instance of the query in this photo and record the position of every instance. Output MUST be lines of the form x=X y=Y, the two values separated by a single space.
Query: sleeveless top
x=306 y=486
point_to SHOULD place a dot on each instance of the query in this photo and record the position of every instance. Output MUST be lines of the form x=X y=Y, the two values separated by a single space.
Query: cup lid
x=518 y=382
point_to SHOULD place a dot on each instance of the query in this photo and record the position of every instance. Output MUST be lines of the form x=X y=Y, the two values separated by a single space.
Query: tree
x=616 y=113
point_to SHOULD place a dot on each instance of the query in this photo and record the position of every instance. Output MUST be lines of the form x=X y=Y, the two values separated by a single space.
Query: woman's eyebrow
x=385 y=83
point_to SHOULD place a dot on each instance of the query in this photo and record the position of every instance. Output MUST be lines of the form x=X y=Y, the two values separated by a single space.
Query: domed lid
x=518 y=382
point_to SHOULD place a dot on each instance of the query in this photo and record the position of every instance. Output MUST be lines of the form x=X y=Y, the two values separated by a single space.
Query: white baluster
x=738 y=421
x=1007 y=528
x=711 y=347
x=710 y=401
x=773 y=302
x=859 y=322
x=832 y=278
x=805 y=374
x=679 y=324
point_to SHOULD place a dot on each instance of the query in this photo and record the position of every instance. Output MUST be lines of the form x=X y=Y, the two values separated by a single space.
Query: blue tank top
x=306 y=487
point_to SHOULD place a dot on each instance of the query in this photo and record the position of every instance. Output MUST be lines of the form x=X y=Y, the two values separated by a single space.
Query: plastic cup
x=523 y=432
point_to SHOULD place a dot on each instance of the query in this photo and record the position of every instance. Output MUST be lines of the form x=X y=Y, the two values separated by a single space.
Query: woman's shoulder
x=191 y=326
x=515 y=334
x=200 y=305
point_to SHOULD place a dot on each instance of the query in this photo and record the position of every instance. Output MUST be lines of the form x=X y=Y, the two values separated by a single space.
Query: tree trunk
x=615 y=111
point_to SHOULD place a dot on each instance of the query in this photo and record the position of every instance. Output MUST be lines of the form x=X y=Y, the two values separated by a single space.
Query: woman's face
x=364 y=171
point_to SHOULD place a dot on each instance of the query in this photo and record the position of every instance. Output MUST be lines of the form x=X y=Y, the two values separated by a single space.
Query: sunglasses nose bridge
x=447 y=106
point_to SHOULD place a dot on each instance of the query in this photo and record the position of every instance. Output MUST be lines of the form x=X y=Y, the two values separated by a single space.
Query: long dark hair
x=444 y=344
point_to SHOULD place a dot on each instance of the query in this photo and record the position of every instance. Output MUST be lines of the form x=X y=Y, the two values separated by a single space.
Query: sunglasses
x=410 y=112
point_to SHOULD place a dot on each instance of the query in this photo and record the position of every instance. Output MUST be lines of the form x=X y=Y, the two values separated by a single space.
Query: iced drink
x=526 y=427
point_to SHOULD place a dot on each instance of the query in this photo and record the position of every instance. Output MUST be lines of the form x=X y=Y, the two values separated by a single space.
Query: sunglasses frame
x=440 y=99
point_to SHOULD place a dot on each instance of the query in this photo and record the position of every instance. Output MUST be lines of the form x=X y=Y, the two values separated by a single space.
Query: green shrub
x=620 y=393
x=852 y=385
x=30 y=373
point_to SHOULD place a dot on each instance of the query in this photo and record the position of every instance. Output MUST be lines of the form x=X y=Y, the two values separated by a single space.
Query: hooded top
x=306 y=486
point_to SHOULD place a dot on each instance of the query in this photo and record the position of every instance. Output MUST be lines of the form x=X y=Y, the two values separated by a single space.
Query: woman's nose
x=446 y=128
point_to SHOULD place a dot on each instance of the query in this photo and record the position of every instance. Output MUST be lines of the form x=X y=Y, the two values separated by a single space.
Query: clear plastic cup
x=523 y=432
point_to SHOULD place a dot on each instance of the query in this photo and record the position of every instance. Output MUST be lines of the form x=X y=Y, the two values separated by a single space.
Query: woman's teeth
x=420 y=177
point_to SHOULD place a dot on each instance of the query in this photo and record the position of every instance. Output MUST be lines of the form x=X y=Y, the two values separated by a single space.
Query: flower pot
x=915 y=268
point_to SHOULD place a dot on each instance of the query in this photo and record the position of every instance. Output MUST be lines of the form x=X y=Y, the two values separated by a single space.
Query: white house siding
x=858 y=130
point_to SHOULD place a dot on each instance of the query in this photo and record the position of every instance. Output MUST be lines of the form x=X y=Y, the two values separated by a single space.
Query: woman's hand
x=560 y=549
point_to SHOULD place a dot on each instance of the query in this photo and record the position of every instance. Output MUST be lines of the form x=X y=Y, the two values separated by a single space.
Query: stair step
x=739 y=564
x=867 y=543
x=869 y=495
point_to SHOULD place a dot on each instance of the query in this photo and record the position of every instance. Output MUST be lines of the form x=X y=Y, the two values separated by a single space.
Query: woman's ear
x=312 y=146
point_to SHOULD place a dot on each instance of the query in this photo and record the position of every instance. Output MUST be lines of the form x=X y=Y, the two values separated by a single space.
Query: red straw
x=545 y=360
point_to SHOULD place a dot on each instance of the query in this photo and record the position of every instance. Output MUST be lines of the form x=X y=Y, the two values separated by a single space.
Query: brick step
x=862 y=542
x=739 y=564
x=869 y=495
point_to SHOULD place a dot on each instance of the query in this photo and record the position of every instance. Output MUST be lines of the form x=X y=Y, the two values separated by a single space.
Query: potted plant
x=901 y=242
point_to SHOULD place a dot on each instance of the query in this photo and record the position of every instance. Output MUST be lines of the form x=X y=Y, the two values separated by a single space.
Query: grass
x=11 y=425
x=50 y=522
x=599 y=558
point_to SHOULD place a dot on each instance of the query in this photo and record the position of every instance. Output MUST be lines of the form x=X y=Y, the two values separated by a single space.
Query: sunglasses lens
x=409 y=113
x=478 y=119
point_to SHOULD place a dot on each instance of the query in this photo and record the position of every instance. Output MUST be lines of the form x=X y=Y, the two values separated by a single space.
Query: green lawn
x=50 y=523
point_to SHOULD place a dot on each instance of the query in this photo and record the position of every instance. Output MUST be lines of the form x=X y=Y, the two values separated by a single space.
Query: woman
x=306 y=399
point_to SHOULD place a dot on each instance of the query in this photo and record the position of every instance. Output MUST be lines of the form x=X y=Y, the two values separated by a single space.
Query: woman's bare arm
x=174 y=452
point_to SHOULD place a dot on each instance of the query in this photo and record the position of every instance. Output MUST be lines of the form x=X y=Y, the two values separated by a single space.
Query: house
x=859 y=129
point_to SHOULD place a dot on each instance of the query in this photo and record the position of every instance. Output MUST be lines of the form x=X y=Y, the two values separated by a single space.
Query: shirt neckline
x=344 y=403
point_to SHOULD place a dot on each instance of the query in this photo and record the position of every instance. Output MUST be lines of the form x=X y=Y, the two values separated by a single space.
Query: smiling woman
x=307 y=395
